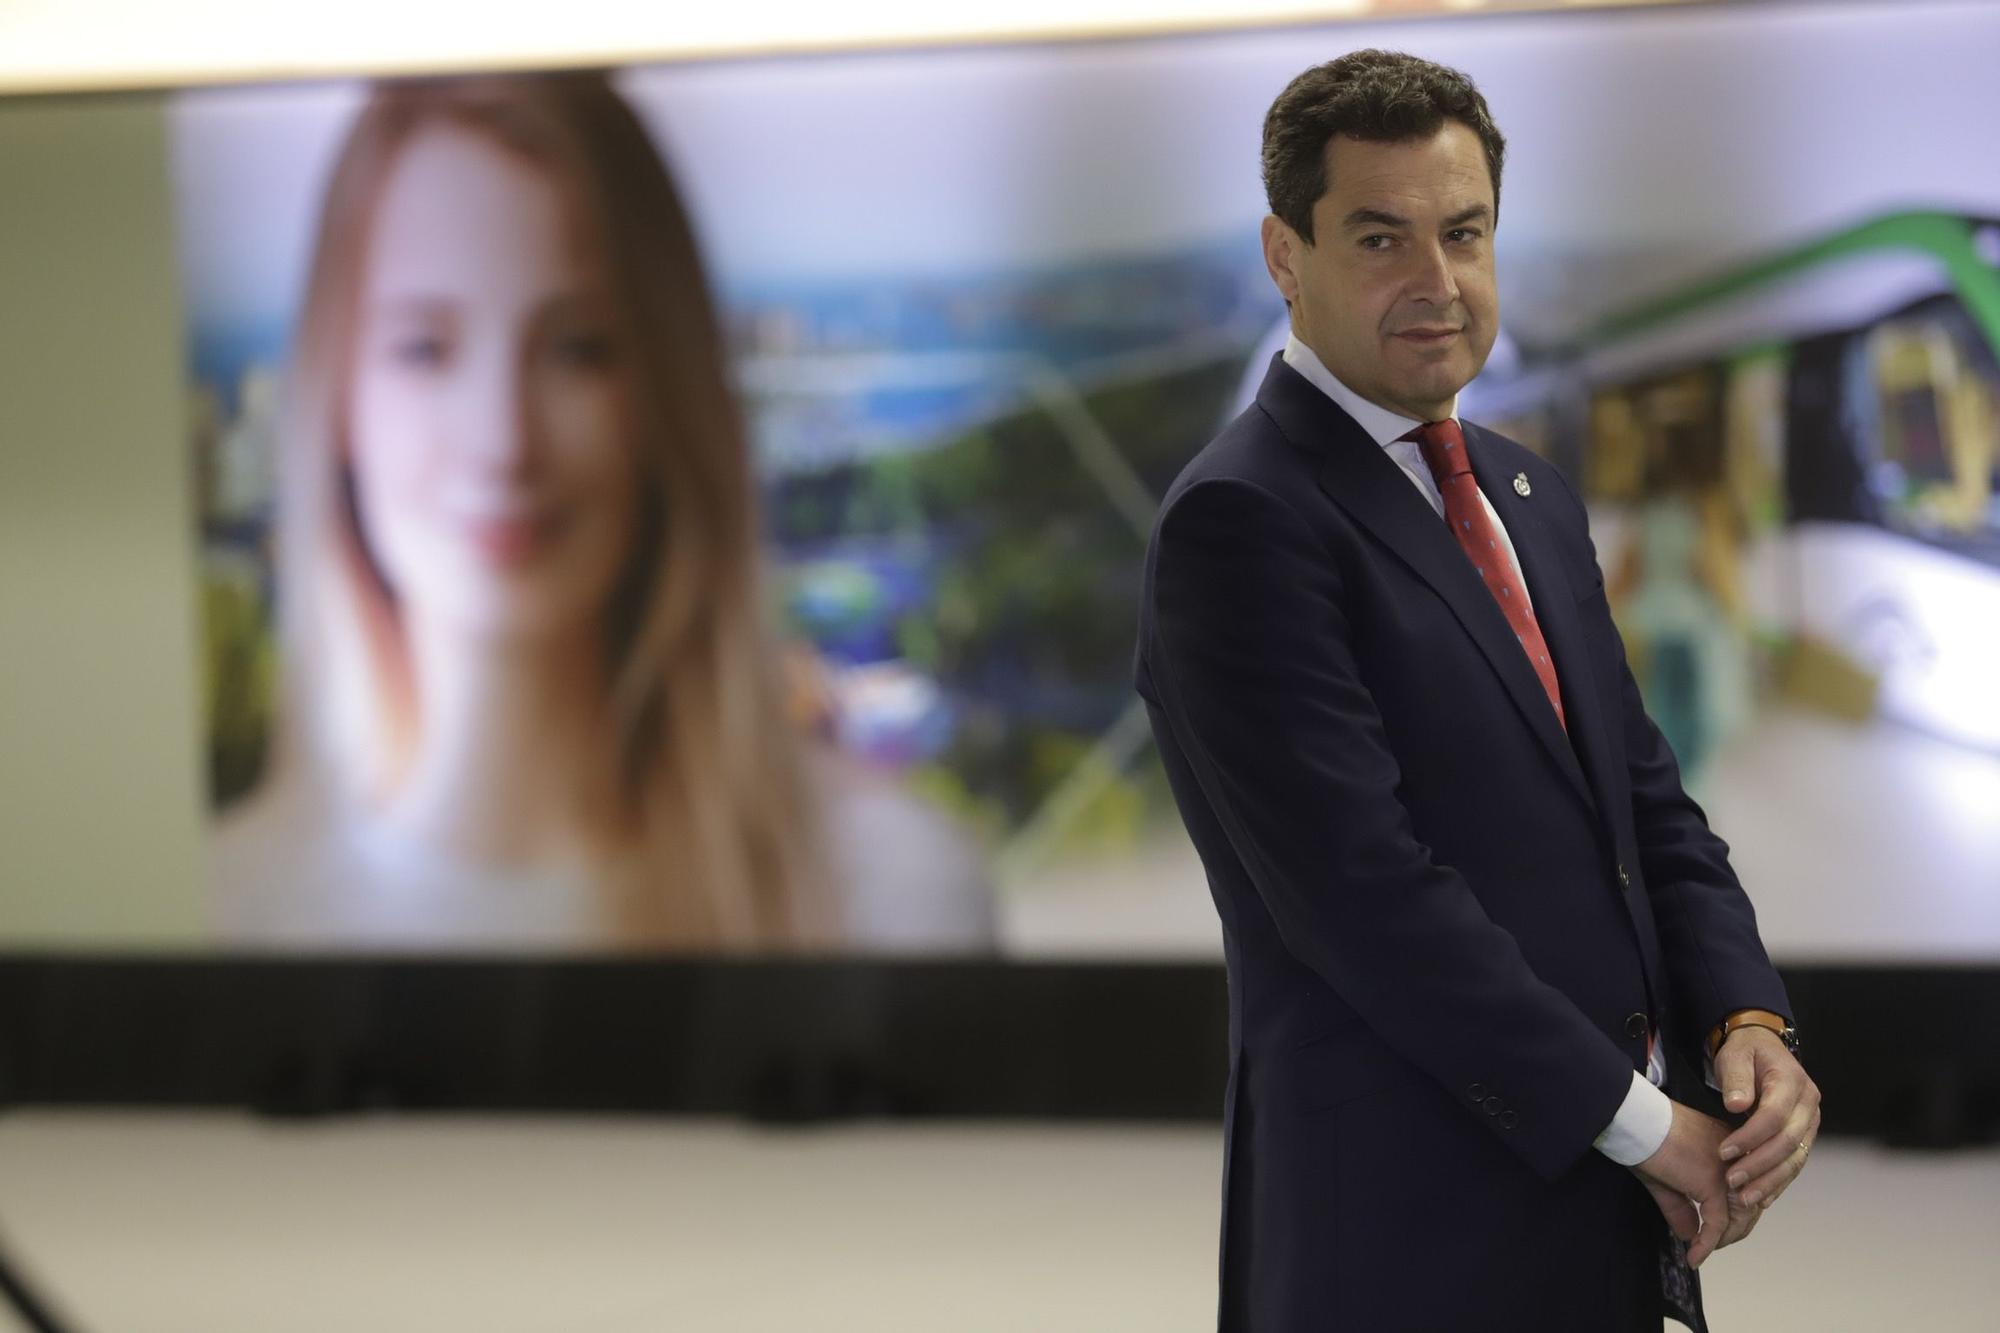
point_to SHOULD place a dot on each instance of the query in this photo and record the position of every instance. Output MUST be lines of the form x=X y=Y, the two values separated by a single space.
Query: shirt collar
x=1383 y=426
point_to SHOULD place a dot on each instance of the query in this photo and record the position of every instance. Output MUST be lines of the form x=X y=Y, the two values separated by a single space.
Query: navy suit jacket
x=1448 y=926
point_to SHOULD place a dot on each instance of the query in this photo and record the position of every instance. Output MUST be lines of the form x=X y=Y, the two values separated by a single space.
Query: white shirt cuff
x=1641 y=1125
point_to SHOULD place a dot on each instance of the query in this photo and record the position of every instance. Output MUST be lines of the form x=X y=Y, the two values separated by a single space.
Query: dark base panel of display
x=1905 y=1054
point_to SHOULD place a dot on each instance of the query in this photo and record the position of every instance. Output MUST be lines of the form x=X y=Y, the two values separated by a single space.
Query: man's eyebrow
x=1373 y=217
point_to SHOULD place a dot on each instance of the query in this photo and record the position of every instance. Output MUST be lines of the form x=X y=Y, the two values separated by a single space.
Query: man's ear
x=1281 y=252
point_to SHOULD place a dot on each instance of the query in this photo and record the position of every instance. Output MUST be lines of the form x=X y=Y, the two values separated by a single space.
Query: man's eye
x=1464 y=233
x=1368 y=242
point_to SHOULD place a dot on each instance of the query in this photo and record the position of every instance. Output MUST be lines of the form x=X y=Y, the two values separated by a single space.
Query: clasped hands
x=1713 y=1184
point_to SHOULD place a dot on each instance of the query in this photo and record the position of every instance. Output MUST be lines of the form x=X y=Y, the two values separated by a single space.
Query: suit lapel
x=1552 y=588
x=1553 y=594
x=1362 y=479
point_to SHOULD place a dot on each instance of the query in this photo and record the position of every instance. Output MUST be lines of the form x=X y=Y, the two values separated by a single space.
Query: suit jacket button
x=1635 y=1025
x=1624 y=880
x=1478 y=1091
x=1493 y=1105
x=1508 y=1120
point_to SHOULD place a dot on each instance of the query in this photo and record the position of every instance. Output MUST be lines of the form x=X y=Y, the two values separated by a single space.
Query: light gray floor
x=218 y=1223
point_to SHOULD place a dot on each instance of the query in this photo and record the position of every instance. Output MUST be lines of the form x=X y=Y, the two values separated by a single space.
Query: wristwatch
x=1760 y=1018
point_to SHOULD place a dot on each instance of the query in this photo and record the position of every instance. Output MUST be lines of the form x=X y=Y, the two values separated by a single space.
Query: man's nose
x=1433 y=280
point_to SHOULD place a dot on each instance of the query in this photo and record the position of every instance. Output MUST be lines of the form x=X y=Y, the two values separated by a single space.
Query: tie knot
x=1443 y=447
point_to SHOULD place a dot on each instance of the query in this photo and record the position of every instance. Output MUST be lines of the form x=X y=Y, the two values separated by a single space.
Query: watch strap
x=1741 y=1018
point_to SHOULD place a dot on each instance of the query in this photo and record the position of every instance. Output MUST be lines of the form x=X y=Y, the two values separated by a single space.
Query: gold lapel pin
x=1521 y=486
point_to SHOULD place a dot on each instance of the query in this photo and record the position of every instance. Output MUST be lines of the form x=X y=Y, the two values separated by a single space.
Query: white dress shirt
x=1646 y=1115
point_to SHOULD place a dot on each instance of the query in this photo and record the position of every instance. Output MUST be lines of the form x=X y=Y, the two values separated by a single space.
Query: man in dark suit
x=1483 y=950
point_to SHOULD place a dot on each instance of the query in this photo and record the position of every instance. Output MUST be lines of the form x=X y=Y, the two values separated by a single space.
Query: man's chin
x=1442 y=384
x=1431 y=400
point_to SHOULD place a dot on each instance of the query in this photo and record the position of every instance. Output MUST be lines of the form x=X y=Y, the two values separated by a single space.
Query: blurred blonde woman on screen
x=530 y=697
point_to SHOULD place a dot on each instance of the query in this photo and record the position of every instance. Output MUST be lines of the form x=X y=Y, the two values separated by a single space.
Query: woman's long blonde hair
x=720 y=832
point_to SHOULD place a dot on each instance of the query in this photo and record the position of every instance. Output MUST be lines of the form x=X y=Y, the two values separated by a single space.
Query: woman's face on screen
x=490 y=416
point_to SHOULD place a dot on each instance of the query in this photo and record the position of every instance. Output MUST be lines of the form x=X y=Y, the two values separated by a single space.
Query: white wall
x=74 y=44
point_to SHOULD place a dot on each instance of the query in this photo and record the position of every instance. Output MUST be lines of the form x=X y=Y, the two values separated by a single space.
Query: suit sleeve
x=1250 y=650
x=1715 y=960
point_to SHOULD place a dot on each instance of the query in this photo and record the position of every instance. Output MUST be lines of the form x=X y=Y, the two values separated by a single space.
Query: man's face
x=1396 y=293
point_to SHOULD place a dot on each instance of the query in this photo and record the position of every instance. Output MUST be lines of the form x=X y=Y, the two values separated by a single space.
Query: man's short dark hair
x=1376 y=96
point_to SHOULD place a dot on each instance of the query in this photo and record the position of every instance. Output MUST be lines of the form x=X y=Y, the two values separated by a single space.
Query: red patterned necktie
x=1443 y=446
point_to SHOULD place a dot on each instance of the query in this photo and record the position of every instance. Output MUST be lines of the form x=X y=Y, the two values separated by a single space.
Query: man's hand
x=1766 y=1154
x=1684 y=1176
